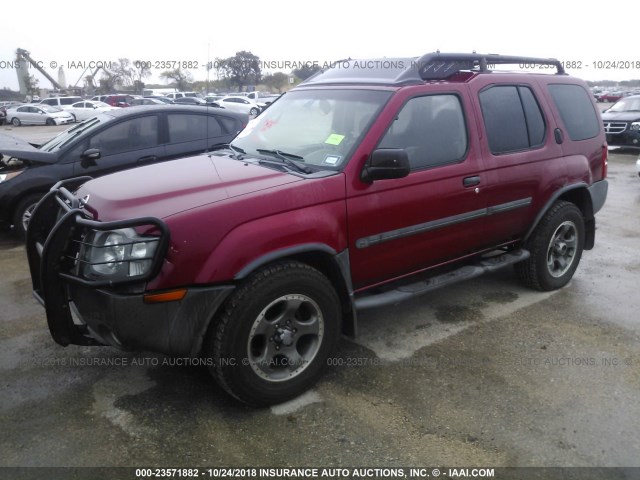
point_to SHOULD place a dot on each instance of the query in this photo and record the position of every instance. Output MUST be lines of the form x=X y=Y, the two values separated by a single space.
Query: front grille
x=614 y=127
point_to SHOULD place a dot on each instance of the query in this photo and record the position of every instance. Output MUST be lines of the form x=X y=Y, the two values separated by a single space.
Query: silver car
x=38 y=114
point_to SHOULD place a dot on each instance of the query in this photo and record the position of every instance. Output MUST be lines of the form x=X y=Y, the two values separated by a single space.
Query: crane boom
x=21 y=71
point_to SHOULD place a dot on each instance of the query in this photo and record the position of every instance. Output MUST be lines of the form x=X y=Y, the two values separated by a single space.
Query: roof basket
x=438 y=66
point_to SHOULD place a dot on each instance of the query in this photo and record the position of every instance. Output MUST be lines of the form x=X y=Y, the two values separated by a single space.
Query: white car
x=38 y=114
x=638 y=166
x=88 y=109
x=240 y=104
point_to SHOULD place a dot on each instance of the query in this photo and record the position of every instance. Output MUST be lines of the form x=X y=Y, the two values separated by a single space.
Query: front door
x=434 y=215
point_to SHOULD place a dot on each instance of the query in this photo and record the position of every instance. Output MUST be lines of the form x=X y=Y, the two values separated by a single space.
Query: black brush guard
x=54 y=236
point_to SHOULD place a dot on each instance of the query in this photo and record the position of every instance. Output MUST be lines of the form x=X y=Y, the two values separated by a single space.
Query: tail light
x=605 y=160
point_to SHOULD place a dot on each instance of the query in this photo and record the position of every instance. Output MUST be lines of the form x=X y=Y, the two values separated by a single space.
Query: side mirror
x=89 y=157
x=386 y=163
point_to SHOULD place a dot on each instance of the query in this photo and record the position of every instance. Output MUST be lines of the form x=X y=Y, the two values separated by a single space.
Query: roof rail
x=438 y=66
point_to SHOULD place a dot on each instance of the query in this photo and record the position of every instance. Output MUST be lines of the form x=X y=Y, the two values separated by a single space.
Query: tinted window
x=512 y=118
x=50 y=101
x=187 y=127
x=129 y=135
x=431 y=129
x=576 y=111
x=504 y=119
x=67 y=101
x=229 y=125
x=533 y=115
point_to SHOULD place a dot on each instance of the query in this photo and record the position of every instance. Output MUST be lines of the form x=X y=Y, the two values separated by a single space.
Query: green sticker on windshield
x=334 y=139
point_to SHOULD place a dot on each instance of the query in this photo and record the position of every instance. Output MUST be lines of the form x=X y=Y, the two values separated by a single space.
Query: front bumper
x=63 y=121
x=89 y=312
x=629 y=138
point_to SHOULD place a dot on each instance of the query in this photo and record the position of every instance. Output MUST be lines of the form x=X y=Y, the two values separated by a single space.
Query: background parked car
x=118 y=100
x=146 y=101
x=175 y=95
x=88 y=109
x=38 y=114
x=622 y=123
x=116 y=140
x=239 y=104
x=610 y=97
x=3 y=115
x=190 y=101
x=61 y=102
x=161 y=98
x=213 y=98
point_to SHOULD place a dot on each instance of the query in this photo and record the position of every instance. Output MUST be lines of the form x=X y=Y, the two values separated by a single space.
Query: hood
x=167 y=188
x=11 y=146
x=621 y=116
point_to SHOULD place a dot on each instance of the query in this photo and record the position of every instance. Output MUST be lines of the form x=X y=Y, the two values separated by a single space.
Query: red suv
x=118 y=100
x=371 y=182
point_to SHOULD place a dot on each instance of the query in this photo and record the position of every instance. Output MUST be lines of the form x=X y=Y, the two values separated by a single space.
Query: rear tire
x=23 y=212
x=556 y=248
x=272 y=339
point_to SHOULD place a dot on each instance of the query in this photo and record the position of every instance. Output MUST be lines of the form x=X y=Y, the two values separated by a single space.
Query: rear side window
x=431 y=129
x=576 y=111
x=229 y=125
x=512 y=118
x=187 y=127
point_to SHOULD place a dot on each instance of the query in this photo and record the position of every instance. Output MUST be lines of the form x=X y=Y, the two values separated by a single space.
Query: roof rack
x=438 y=66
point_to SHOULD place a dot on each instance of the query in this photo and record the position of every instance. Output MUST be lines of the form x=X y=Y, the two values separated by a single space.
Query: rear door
x=190 y=133
x=521 y=156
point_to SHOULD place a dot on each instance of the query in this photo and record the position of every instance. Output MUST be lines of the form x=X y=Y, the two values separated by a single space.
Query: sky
x=304 y=31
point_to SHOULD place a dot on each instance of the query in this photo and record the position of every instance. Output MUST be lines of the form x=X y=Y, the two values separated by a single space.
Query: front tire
x=50 y=121
x=271 y=341
x=15 y=121
x=22 y=213
x=556 y=248
x=254 y=112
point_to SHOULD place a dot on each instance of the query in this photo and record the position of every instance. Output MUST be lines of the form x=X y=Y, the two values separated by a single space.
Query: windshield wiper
x=286 y=159
x=228 y=146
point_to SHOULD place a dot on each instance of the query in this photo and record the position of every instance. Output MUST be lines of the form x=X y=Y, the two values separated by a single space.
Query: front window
x=321 y=126
x=63 y=138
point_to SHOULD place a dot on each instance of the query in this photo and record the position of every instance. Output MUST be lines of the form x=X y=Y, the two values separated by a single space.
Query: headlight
x=635 y=126
x=5 y=177
x=116 y=254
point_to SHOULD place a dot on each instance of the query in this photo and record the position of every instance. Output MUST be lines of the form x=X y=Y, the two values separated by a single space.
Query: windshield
x=321 y=126
x=626 y=105
x=65 y=137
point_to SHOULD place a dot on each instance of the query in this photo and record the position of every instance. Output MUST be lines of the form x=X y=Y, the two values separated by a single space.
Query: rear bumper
x=598 y=192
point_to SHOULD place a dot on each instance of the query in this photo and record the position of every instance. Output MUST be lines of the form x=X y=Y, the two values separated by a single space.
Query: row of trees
x=239 y=71
x=236 y=72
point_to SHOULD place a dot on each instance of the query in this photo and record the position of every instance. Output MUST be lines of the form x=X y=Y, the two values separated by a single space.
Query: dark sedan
x=622 y=123
x=112 y=141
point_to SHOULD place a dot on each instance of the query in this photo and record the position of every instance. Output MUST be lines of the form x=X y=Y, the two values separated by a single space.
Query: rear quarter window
x=576 y=110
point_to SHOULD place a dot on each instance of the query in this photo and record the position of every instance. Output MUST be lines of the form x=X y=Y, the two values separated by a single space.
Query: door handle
x=471 y=181
x=148 y=158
